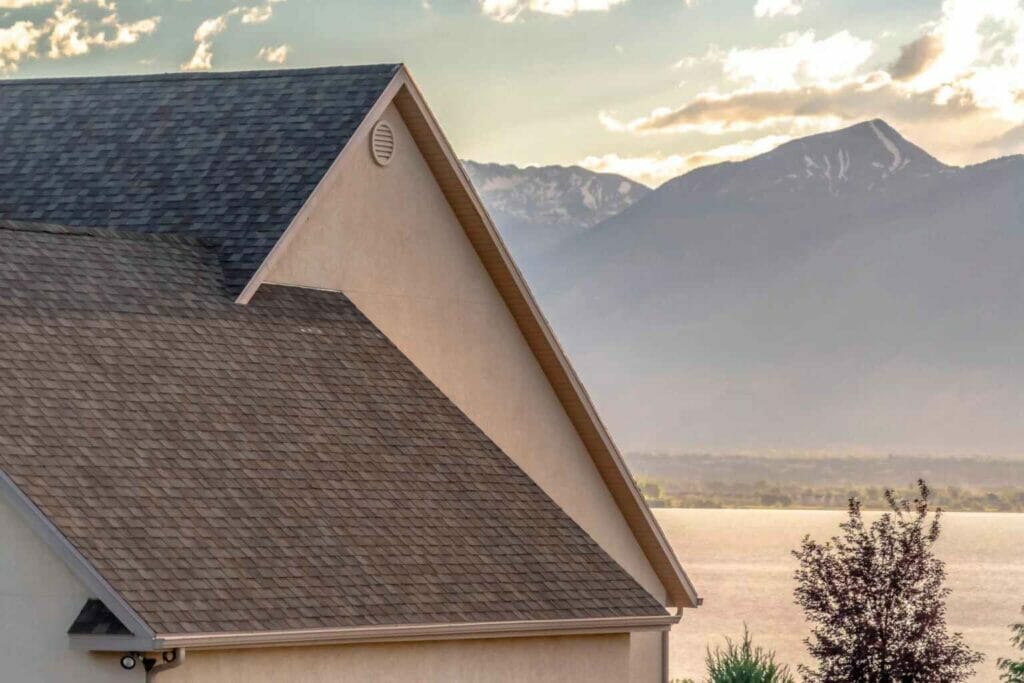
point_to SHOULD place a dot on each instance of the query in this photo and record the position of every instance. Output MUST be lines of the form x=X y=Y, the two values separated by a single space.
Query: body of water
x=741 y=564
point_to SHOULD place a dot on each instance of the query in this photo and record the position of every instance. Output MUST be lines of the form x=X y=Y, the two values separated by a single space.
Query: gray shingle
x=272 y=466
x=229 y=156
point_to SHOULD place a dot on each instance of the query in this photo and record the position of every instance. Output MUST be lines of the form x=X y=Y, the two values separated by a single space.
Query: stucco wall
x=589 y=659
x=645 y=660
x=39 y=598
x=388 y=239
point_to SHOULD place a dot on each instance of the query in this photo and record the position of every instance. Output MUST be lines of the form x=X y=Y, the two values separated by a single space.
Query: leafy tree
x=1013 y=670
x=876 y=599
x=744 y=663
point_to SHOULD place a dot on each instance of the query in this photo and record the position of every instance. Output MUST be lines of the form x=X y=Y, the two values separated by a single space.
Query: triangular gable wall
x=410 y=244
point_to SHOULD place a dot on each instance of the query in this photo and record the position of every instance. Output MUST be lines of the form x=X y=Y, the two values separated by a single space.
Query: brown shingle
x=272 y=466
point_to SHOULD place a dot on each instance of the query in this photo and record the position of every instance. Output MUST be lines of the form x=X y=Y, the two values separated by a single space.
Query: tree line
x=766 y=495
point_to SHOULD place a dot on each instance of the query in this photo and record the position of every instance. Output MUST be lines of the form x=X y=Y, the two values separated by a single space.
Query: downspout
x=664 y=657
x=152 y=668
x=665 y=639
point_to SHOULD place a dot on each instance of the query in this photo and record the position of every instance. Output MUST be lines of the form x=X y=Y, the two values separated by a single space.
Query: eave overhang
x=374 y=634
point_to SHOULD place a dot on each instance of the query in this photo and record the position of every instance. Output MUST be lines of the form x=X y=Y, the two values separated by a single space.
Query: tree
x=1013 y=670
x=744 y=663
x=876 y=600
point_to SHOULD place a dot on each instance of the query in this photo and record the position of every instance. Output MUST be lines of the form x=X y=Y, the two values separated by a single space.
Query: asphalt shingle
x=272 y=466
x=228 y=156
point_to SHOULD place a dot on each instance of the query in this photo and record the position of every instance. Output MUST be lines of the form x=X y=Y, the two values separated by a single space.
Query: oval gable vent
x=382 y=143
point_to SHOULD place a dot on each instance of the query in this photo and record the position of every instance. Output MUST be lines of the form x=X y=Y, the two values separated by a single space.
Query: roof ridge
x=109 y=233
x=207 y=75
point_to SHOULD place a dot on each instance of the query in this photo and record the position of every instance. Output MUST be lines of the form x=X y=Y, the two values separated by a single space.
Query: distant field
x=812 y=482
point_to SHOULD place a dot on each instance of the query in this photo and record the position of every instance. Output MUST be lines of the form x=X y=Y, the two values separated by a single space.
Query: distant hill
x=843 y=292
x=539 y=207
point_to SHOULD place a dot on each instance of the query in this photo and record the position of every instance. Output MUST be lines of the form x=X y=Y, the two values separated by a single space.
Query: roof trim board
x=512 y=287
x=376 y=634
x=74 y=560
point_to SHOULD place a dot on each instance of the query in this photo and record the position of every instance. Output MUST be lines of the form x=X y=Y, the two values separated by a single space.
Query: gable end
x=494 y=256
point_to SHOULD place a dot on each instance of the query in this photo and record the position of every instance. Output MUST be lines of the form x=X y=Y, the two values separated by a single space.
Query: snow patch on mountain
x=897 y=156
x=539 y=206
x=560 y=195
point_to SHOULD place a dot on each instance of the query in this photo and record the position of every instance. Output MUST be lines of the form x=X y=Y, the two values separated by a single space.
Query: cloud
x=275 y=55
x=71 y=35
x=748 y=109
x=202 y=57
x=978 y=52
x=126 y=34
x=259 y=13
x=210 y=27
x=68 y=34
x=65 y=38
x=21 y=4
x=655 y=169
x=17 y=42
x=915 y=57
x=507 y=11
x=804 y=108
x=777 y=8
x=797 y=58
x=958 y=85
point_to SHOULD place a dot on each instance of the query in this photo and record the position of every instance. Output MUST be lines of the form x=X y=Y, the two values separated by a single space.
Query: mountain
x=538 y=207
x=868 y=159
x=845 y=291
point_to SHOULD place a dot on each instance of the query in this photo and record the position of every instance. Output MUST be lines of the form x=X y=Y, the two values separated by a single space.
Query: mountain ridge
x=537 y=207
x=739 y=307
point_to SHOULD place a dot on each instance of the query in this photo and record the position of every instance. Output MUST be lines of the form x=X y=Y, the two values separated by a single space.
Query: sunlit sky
x=648 y=88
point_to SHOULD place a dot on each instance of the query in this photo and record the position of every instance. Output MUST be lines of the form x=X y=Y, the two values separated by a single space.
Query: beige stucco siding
x=645 y=660
x=39 y=598
x=588 y=659
x=387 y=238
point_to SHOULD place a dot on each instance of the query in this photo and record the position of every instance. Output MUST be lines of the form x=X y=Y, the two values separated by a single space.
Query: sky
x=646 y=88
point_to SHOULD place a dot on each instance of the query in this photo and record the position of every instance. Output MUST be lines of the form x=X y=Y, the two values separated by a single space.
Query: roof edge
x=549 y=353
x=83 y=570
x=378 y=634
x=512 y=287
x=202 y=75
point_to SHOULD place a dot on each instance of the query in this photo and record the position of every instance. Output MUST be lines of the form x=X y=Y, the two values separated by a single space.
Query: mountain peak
x=881 y=141
x=864 y=157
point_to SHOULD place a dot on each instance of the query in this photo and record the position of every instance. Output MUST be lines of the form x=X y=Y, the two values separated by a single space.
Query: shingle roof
x=230 y=156
x=278 y=465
